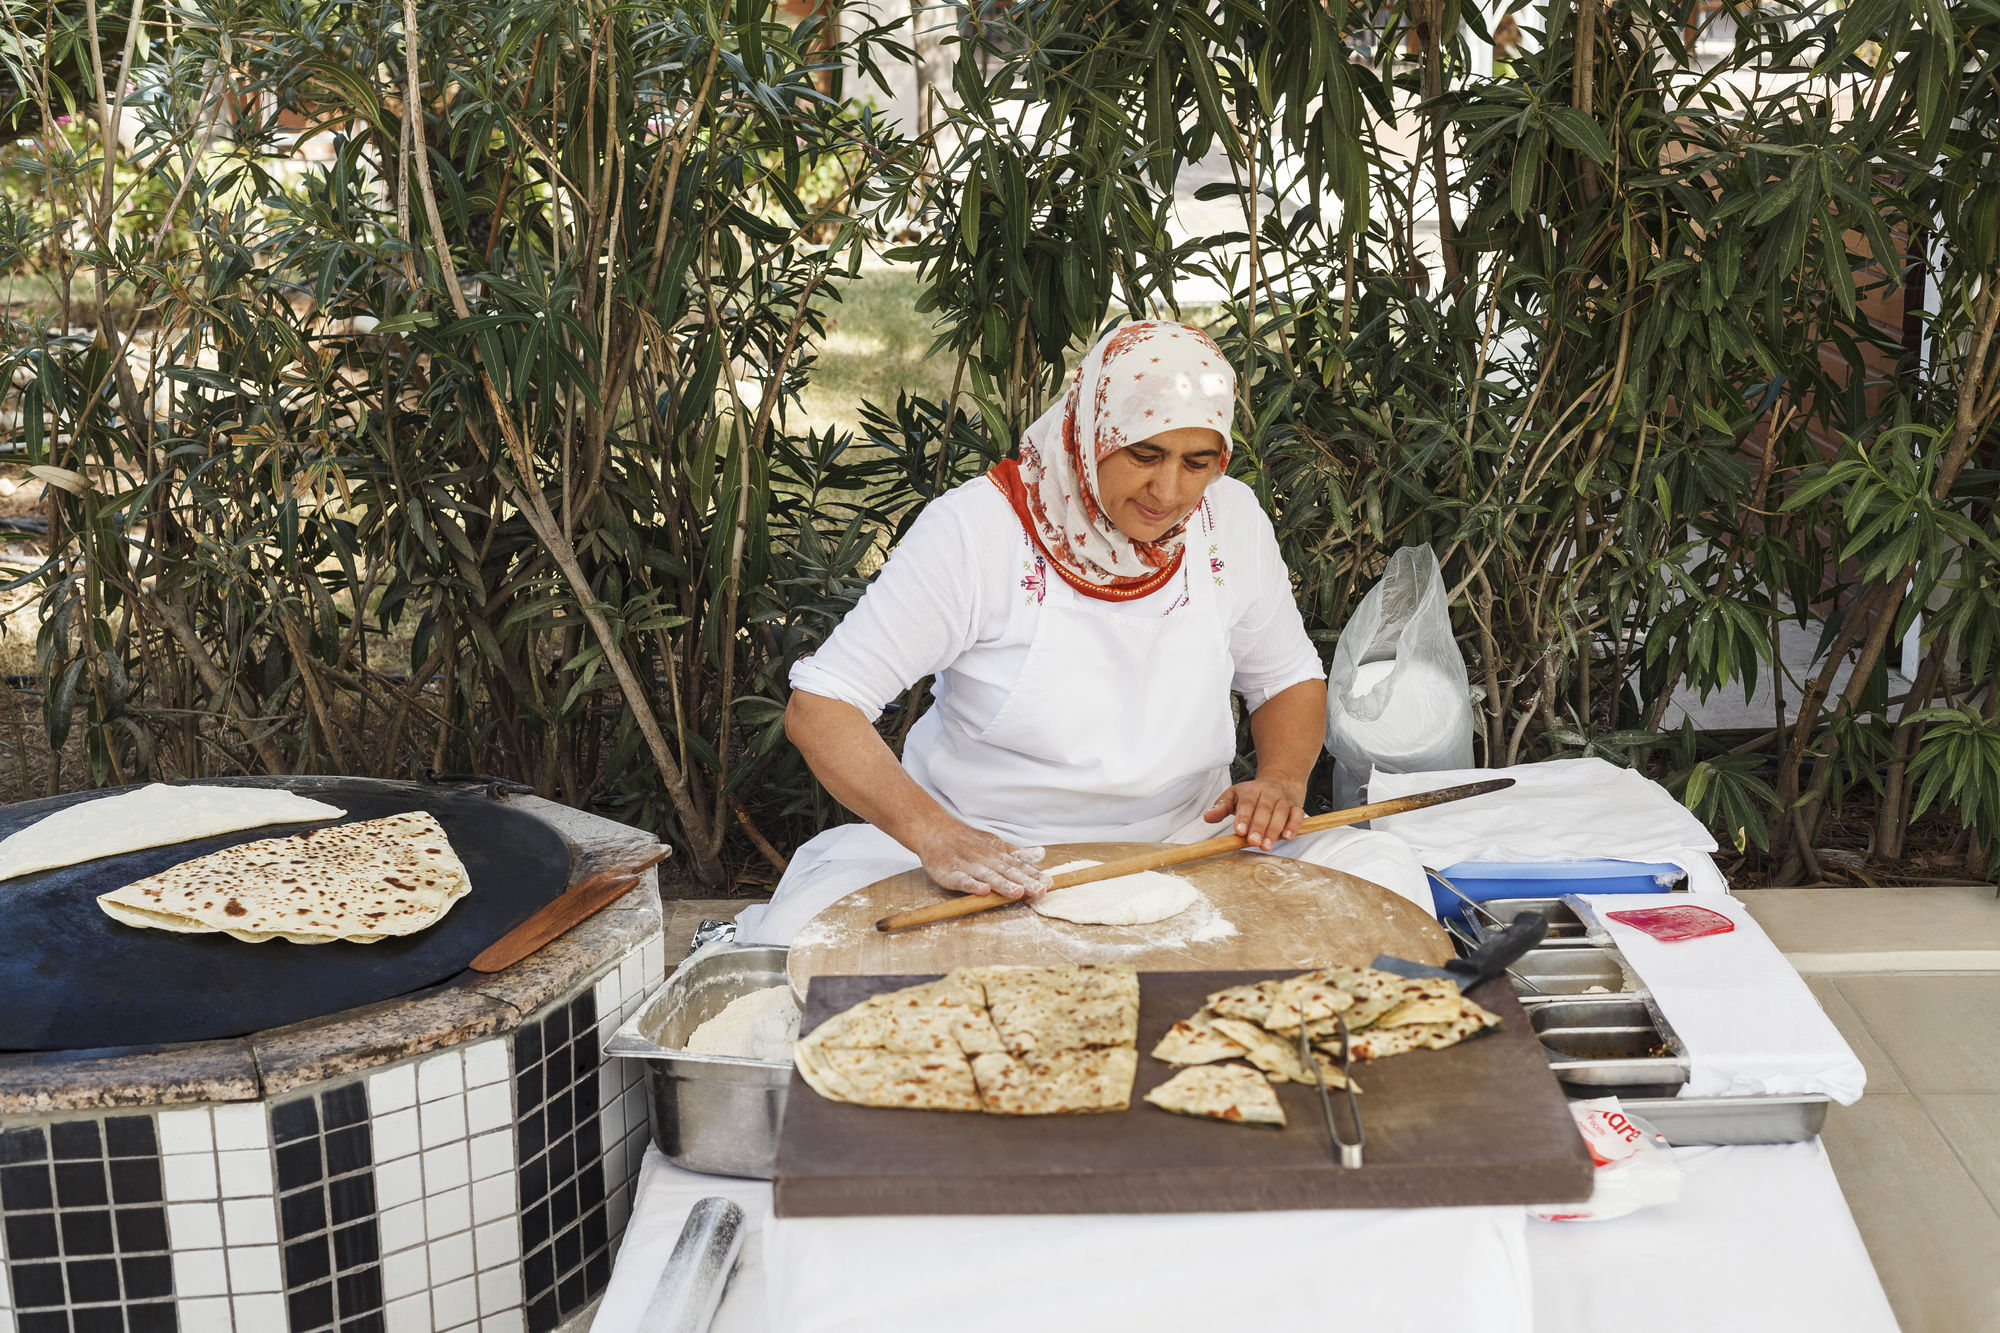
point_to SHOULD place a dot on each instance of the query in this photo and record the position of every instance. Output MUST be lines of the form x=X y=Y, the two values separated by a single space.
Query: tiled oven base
x=483 y=1188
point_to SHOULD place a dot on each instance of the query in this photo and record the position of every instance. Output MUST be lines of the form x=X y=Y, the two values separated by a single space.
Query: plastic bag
x=1634 y=1167
x=1397 y=696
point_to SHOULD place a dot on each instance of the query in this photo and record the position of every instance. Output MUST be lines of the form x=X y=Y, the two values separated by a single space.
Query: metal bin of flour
x=717 y=1114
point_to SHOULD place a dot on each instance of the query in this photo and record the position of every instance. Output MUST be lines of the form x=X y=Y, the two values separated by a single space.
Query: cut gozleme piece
x=1006 y=1040
x=1220 y=1092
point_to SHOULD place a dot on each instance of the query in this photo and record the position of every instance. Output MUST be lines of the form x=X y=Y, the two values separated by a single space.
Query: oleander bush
x=424 y=390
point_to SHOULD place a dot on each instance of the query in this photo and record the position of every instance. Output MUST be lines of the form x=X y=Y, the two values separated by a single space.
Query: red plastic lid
x=1669 y=924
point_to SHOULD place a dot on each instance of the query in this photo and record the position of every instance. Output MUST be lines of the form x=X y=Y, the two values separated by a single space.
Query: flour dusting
x=759 y=1026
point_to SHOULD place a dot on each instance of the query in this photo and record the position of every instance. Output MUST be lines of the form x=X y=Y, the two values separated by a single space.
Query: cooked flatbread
x=1378 y=993
x=937 y=1082
x=1277 y=1056
x=1249 y=1003
x=1061 y=1083
x=1056 y=1040
x=153 y=816
x=1044 y=1009
x=1220 y=1092
x=1310 y=997
x=1426 y=1006
x=1378 y=1042
x=361 y=882
x=1194 y=1041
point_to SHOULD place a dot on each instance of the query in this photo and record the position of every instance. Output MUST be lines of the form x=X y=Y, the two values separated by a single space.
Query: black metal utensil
x=1495 y=954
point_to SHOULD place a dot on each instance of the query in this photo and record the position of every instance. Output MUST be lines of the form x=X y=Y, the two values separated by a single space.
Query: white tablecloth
x=1760 y=1241
x=1750 y=1024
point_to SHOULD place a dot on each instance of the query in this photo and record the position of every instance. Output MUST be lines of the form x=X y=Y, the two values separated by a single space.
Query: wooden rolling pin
x=968 y=904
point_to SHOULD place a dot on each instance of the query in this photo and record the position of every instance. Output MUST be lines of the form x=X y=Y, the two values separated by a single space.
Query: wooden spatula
x=582 y=900
x=1194 y=851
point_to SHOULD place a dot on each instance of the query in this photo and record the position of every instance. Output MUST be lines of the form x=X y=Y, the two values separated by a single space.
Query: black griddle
x=71 y=978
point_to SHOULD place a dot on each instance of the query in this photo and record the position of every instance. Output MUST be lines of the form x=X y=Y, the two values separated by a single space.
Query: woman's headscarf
x=1140 y=379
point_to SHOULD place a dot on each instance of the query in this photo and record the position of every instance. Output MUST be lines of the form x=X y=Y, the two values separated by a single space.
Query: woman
x=1087 y=611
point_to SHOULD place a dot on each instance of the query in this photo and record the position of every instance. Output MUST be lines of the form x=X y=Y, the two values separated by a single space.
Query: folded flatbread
x=1220 y=1092
x=934 y=1016
x=1007 y=1040
x=937 y=1082
x=1042 y=1009
x=361 y=882
x=1250 y=1002
x=154 y=816
x=1195 y=1041
x=1439 y=1005
x=1311 y=997
x=1061 y=1083
x=1379 y=1041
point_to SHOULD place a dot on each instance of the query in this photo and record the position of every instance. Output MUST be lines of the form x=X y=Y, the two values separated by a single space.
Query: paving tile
x=1970 y=1123
x=1930 y=1231
x=1912 y=929
x=1942 y=1031
x=1882 y=1075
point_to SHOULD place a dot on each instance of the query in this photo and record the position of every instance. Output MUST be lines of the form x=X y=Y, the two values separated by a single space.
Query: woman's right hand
x=967 y=860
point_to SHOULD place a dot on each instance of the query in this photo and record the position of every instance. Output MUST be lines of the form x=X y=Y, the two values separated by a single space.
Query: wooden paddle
x=972 y=903
x=582 y=900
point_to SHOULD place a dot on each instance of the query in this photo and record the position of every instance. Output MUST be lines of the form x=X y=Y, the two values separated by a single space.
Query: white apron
x=1119 y=729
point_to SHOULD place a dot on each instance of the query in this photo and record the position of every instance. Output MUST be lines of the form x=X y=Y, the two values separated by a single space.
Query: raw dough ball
x=1129 y=900
x=759 y=1026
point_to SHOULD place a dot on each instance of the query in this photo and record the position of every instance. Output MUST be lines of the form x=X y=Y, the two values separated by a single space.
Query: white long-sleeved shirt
x=961 y=596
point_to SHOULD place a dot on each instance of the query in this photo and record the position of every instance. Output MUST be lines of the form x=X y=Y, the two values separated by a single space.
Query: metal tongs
x=1344 y=1153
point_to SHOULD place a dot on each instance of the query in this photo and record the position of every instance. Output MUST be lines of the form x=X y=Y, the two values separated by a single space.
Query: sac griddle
x=71 y=978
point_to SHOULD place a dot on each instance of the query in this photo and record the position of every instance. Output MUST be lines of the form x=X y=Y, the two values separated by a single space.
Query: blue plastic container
x=1481 y=880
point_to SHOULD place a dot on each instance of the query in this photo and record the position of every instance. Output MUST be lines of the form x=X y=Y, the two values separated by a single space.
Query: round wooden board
x=1257 y=912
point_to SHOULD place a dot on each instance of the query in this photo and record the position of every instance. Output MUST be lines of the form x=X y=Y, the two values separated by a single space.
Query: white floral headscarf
x=1140 y=379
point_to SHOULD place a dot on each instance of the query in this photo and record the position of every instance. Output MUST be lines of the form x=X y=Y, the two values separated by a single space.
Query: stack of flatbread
x=1260 y=1022
x=1005 y=1040
x=362 y=882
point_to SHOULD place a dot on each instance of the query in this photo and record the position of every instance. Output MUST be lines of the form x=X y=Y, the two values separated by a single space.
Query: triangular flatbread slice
x=1276 y=1056
x=1061 y=1083
x=1308 y=998
x=1220 y=1092
x=362 y=882
x=933 y=1016
x=1195 y=1041
x=935 y=1082
x=1038 y=1010
x=1377 y=993
x=1437 y=1002
x=1378 y=1042
x=1249 y=1003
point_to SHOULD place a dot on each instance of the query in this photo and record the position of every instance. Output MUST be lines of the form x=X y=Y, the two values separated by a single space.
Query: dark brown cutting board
x=1481 y=1123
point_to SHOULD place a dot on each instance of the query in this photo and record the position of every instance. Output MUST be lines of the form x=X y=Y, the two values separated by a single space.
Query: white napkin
x=1561 y=810
x=1744 y=1014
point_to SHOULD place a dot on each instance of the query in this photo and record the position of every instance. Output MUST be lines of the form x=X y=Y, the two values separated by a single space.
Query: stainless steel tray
x=1566 y=928
x=1697 y=1120
x=1555 y=972
x=712 y=1113
x=1612 y=1046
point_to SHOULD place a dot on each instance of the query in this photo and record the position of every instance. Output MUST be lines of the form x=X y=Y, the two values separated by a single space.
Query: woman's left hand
x=1267 y=812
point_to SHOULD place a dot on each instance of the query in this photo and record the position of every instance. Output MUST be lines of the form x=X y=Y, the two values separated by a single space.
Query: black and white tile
x=85 y=1235
x=327 y=1211
x=481 y=1189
